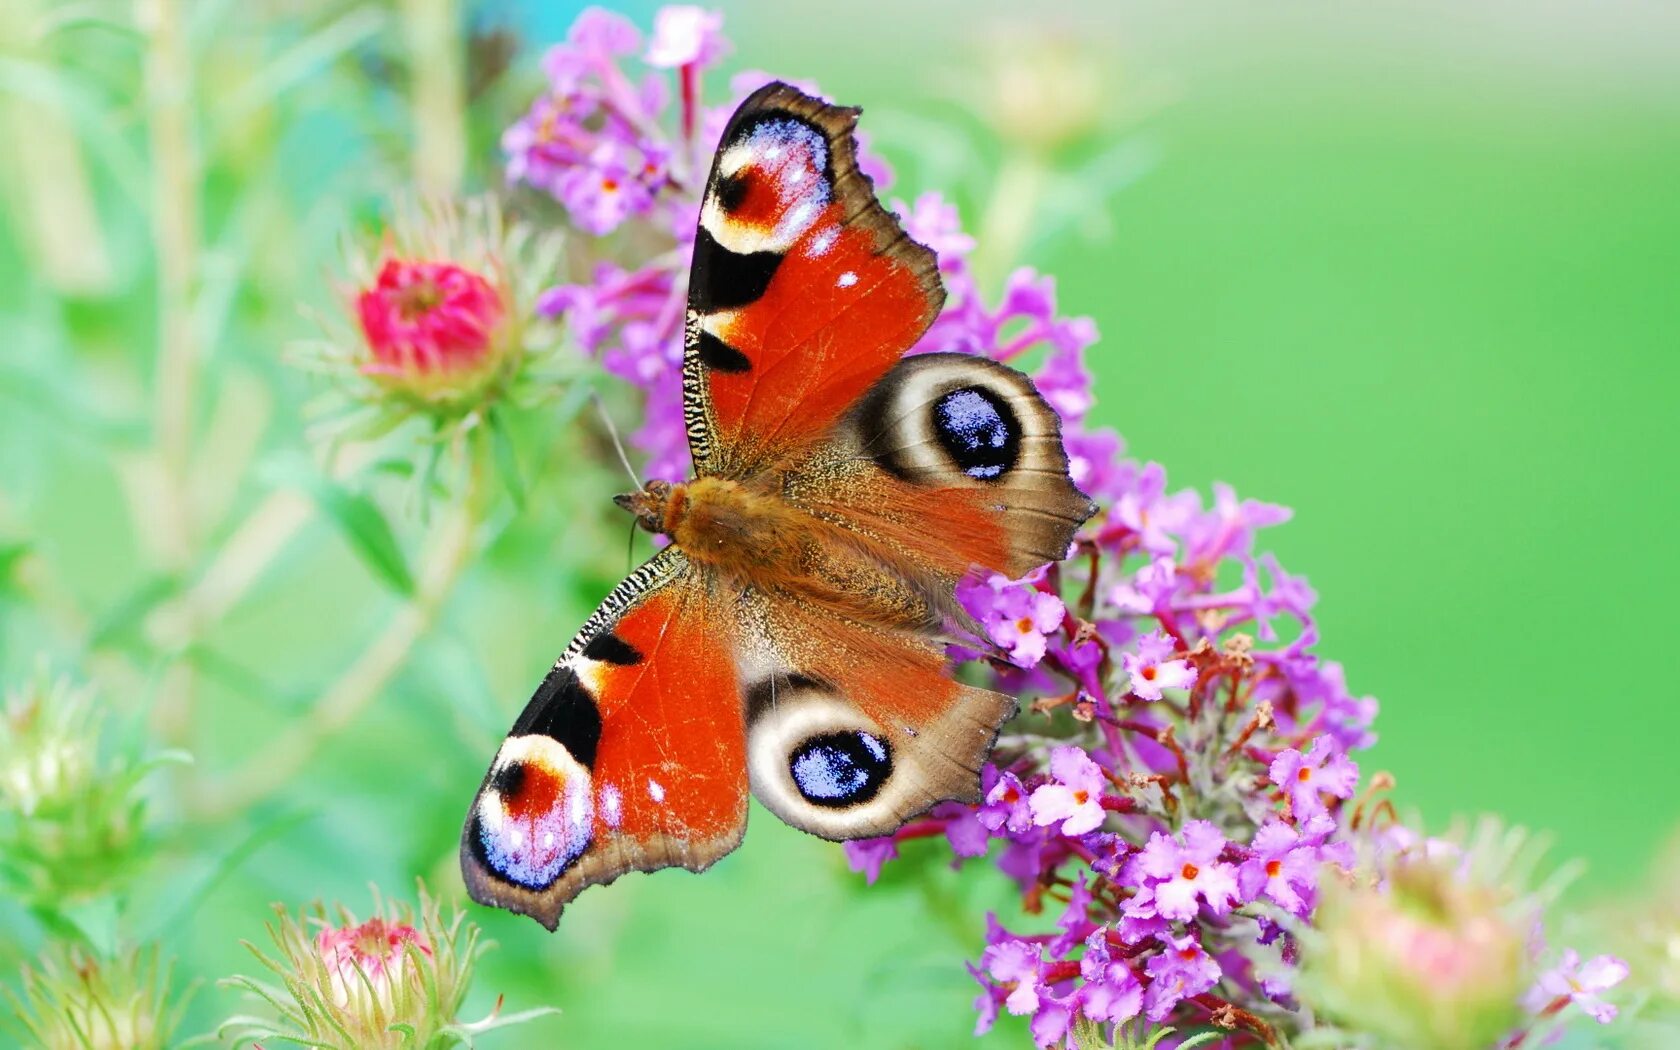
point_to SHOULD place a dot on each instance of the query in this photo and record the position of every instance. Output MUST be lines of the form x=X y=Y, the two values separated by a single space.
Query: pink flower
x=1177 y=874
x=1324 y=769
x=1580 y=984
x=426 y=317
x=1151 y=671
x=1075 y=798
x=685 y=35
x=376 y=950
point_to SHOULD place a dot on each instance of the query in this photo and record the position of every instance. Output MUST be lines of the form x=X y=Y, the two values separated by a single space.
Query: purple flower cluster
x=1181 y=782
x=620 y=158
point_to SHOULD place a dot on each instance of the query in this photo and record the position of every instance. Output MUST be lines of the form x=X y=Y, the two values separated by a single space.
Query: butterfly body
x=790 y=641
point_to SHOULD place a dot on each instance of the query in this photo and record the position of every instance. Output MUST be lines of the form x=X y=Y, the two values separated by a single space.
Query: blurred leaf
x=303 y=61
x=367 y=531
x=187 y=899
x=358 y=518
x=11 y=556
x=92 y=116
x=117 y=626
x=507 y=460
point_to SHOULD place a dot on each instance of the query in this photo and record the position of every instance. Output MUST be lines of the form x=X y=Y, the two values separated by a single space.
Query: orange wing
x=630 y=757
x=804 y=290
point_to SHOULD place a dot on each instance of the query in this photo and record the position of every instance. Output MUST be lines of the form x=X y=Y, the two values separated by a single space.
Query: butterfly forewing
x=804 y=289
x=630 y=757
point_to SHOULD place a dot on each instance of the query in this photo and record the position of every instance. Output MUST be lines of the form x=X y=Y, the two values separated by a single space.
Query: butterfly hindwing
x=955 y=460
x=804 y=290
x=629 y=757
x=854 y=728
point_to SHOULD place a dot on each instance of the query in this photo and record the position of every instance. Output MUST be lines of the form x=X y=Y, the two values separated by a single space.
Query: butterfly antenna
x=618 y=446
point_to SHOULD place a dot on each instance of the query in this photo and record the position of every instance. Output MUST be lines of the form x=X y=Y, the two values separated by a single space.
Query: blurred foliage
x=1457 y=260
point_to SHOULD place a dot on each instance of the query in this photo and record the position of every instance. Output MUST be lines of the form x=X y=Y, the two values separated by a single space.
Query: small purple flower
x=1148 y=590
x=933 y=221
x=1074 y=799
x=1007 y=805
x=1050 y=1024
x=1111 y=991
x=685 y=35
x=596 y=35
x=1305 y=779
x=964 y=830
x=1066 y=383
x=1178 y=874
x=1075 y=920
x=1283 y=867
x=1015 y=614
x=867 y=855
x=1156 y=517
x=1180 y=971
x=1580 y=983
x=1093 y=462
x=1016 y=964
x=1150 y=669
x=606 y=188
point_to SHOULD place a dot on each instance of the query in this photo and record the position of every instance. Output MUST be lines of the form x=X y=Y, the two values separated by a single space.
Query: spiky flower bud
x=74 y=1000
x=71 y=818
x=396 y=980
x=437 y=320
x=1426 y=957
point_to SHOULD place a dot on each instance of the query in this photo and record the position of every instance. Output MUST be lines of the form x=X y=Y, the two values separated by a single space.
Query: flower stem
x=437 y=87
x=175 y=237
x=1007 y=219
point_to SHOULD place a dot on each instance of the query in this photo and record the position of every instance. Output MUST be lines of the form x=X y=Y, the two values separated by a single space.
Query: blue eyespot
x=978 y=430
x=840 y=769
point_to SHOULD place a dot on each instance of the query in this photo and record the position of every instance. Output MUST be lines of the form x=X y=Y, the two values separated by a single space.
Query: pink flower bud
x=422 y=318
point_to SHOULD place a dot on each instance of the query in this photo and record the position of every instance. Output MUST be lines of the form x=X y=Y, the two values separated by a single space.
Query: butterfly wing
x=854 y=728
x=630 y=757
x=804 y=291
x=854 y=725
x=954 y=459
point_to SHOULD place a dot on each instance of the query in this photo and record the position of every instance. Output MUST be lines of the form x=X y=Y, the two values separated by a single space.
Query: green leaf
x=365 y=528
x=507 y=460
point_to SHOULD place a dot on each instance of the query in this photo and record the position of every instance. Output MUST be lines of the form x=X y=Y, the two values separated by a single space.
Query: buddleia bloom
x=396 y=980
x=1182 y=793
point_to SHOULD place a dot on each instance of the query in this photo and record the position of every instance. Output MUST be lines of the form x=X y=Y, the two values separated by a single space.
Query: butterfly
x=790 y=639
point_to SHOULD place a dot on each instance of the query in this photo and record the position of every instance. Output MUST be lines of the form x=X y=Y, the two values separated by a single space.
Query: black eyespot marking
x=732 y=191
x=609 y=648
x=842 y=769
x=979 y=431
x=719 y=355
x=508 y=779
x=563 y=710
x=724 y=280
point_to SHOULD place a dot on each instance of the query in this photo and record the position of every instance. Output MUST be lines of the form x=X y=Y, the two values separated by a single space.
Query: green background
x=1412 y=270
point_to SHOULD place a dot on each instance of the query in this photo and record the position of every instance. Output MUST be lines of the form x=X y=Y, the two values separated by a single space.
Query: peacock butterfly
x=789 y=640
